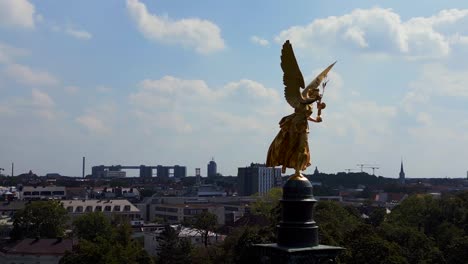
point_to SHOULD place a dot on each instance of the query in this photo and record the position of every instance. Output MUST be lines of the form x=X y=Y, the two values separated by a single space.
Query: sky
x=170 y=82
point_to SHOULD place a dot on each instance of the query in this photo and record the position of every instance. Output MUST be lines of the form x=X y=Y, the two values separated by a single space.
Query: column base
x=275 y=254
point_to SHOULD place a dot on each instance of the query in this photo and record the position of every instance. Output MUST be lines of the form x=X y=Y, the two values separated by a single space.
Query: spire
x=402 y=173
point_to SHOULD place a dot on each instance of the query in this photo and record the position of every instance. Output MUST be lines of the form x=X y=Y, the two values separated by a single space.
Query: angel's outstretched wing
x=292 y=77
x=316 y=82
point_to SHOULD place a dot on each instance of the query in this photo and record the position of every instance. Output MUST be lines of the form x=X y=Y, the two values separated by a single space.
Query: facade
x=165 y=172
x=34 y=251
x=175 y=209
x=180 y=171
x=121 y=208
x=257 y=178
x=210 y=190
x=177 y=213
x=8 y=209
x=212 y=169
x=42 y=192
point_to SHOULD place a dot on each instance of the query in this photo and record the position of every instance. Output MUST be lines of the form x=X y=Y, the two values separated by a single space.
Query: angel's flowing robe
x=290 y=148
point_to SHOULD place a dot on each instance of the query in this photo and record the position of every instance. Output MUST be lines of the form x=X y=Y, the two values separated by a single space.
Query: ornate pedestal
x=297 y=231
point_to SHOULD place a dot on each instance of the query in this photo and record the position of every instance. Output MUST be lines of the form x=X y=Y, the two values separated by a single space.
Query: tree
x=265 y=204
x=112 y=244
x=364 y=246
x=46 y=219
x=334 y=222
x=205 y=223
x=377 y=216
x=172 y=249
x=457 y=252
x=238 y=244
x=90 y=226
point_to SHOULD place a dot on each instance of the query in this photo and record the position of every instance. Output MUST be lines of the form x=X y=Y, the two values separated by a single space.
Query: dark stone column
x=297 y=232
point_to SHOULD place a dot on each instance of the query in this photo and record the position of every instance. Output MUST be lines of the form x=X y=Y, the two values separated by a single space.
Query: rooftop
x=31 y=246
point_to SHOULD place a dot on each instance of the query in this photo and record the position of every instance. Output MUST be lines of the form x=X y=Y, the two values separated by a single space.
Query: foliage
x=112 y=244
x=205 y=223
x=90 y=226
x=172 y=249
x=238 y=244
x=349 y=180
x=334 y=221
x=268 y=205
x=45 y=219
x=377 y=217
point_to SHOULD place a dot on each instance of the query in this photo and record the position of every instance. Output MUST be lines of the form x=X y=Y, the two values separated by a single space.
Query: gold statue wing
x=316 y=82
x=292 y=76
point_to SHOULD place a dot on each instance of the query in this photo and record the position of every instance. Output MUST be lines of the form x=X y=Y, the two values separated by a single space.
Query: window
x=69 y=209
x=107 y=208
x=173 y=210
x=117 y=208
x=98 y=209
x=27 y=193
x=46 y=193
x=35 y=193
x=79 y=209
x=127 y=208
x=58 y=193
x=161 y=209
x=89 y=208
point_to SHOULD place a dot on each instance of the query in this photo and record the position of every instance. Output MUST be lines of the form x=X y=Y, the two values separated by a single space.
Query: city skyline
x=170 y=82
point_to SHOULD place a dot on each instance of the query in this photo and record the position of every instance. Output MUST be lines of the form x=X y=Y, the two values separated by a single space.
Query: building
x=210 y=190
x=180 y=171
x=402 y=174
x=165 y=172
x=121 y=208
x=177 y=213
x=226 y=208
x=43 y=192
x=212 y=169
x=33 y=251
x=9 y=208
x=257 y=178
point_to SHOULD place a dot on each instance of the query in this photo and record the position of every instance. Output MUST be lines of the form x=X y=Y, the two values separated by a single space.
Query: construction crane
x=348 y=170
x=362 y=166
x=373 y=169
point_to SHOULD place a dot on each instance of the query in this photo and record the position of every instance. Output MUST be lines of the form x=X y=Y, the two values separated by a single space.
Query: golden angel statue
x=290 y=148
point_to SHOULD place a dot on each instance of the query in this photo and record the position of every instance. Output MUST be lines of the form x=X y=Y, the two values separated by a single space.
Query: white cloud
x=100 y=119
x=380 y=30
x=203 y=35
x=177 y=98
x=424 y=118
x=72 y=31
x=259 y=41
x=435 y=80
x=8 y=53
x=93 y=124
x=169 y=89
x=103 y=89
x=41 y=99
x=72 y=89
x=16 y=13
x=77 y=33
x=24 y=74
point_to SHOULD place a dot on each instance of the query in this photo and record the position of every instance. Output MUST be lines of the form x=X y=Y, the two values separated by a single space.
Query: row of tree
x=421 y=230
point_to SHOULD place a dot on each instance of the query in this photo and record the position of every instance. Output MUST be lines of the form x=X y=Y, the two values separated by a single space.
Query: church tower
x=402 y=174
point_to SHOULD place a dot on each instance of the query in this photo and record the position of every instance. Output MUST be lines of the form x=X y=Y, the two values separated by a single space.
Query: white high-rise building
x=257 y=178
